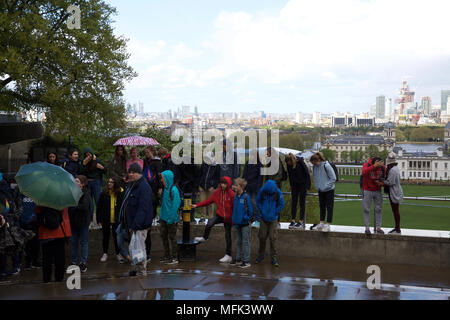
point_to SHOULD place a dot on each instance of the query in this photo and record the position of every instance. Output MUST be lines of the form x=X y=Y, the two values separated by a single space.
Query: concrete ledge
x=356 y=247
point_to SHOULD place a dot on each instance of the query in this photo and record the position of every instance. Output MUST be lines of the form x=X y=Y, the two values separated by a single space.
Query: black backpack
x=50 y=218
x=334 y=169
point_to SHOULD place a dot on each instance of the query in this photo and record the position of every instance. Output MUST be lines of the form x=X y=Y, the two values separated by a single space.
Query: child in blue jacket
x=242 y=214
x=270 y=202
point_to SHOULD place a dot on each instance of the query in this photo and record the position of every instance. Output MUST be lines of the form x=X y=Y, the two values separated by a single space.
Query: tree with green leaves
x=345 y=155
x=329 y=154
x=372 y=151
x=75 y=76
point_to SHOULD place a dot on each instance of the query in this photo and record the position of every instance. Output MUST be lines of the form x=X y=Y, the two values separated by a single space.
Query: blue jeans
x=79 y=236
x=243 y=242
x=122 y=236
x=95 y=189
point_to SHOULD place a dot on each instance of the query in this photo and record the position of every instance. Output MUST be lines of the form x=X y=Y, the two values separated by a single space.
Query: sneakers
x=83 y=267
x=279 y=225
x=259 y=259
x=202 y=221
x=149 y=260
x=293 y=225
x=379 y=231
x=368 y=232
x=15 y=272
x=244 y=265
x=318 y=227
x=104 y=258
x=28 y=267
x=200 y=239
x=256 y=224
x=234 y=262
x=226 y=259
x=326 y=228
x=301 y=226
x=120 y=258
x=275 y=262
x=395 y=231
x=172 y=261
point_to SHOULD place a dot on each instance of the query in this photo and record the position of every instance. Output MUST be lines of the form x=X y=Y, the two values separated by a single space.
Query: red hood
x=228 y=181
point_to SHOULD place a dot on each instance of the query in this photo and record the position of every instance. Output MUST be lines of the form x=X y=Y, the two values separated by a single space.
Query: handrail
x=359 y=196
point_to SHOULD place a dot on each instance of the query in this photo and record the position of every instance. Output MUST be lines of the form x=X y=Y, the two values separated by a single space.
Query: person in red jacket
x=53 y=246
x=223 y=197
x=372 y=181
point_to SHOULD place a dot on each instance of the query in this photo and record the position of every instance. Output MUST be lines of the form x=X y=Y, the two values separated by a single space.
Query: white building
x=299 y=117
x=317 y=118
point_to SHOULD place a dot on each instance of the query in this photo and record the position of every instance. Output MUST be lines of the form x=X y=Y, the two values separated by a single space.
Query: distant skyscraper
x=380 y=107
x=317 y=117
x=141 y=108
x=388 y=110
x=299 y=117
x=196 y=110
x=426 y=105
x=373 y=109
x=448 y=105
x=405 y=96
x=444 y=96
x=186 y=110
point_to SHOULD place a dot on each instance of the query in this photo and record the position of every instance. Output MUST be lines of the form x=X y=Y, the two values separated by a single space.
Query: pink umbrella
x=136 y=141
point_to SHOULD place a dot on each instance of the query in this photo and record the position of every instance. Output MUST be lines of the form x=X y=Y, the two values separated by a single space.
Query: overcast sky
x=283 y=56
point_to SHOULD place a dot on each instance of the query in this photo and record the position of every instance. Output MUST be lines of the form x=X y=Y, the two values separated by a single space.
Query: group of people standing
x=127 y=205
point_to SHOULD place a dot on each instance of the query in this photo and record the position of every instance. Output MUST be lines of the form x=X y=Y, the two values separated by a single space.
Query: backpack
x=149 y=175
x=333 y=166
x=51 y=218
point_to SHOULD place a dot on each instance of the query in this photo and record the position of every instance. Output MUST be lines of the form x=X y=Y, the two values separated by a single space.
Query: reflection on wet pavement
x=208 y=280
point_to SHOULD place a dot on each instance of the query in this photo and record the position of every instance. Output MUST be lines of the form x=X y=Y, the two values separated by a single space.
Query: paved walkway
x=208 y=279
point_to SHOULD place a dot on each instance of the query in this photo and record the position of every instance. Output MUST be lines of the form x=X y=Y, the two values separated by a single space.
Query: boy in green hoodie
x=168 y=217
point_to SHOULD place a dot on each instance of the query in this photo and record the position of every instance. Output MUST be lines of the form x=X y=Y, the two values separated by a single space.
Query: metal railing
x=359 y=196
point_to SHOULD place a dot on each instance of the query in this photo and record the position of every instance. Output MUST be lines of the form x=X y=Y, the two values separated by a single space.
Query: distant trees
x=329 y=154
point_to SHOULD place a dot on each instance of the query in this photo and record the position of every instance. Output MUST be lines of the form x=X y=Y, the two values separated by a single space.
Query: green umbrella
x=48 y=185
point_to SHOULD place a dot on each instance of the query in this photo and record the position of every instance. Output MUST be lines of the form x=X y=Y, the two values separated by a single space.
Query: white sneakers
x=199 y=239
x=322 y=227
x=319 y=227
x=226 y=259
x=104 y=257
x=120 y=258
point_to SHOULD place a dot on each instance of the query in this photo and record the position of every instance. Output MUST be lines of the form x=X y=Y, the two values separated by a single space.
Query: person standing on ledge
x=372 y=176
x=394 y=189
x=324 y=180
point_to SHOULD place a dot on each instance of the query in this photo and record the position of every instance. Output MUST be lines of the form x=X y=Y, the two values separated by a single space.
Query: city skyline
x=290 y=55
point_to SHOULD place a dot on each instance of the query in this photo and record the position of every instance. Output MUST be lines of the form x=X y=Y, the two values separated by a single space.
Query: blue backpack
x=28 y=215
x=149 y=175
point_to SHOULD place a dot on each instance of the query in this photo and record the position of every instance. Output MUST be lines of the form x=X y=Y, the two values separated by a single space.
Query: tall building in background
x=141 y=108
x=388 y=110
x=373 y=109
x=444 y=97
x=317 y=117
x=425 y=105
x=196 y=111
x=380 y=108
x=406 y=97
x=185 y=111
x=448 y=105
x=299 y=117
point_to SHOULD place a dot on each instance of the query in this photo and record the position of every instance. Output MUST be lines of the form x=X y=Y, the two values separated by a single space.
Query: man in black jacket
x=300 y=182
x=252 y=174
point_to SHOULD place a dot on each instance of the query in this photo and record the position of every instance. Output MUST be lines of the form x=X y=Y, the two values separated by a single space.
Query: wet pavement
x=208 y=279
